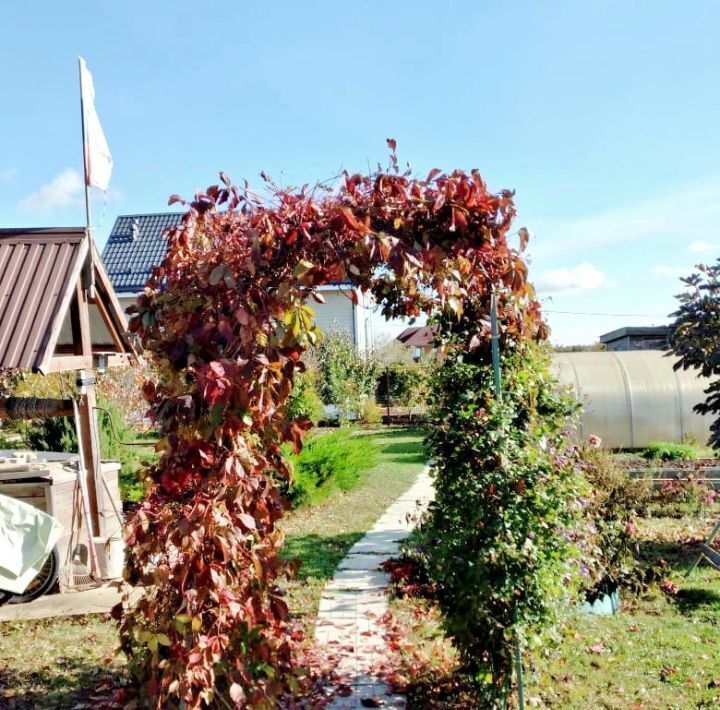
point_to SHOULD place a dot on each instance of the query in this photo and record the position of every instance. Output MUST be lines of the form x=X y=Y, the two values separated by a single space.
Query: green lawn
x=659 y=653
x=320 y=535
x=58 y=663
x=53 y=663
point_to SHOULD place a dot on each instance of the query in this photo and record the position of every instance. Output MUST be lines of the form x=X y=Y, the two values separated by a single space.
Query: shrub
x=370 y=412
x=55 y=434
x=395 y=383
x=507 y=487
x=333 y=461
x=304 y=400
x=667 y=451
x=695 y=337
x=607 y=531
x=346 y=376
x=119 y=442
x=407 y=382
x=122 y=386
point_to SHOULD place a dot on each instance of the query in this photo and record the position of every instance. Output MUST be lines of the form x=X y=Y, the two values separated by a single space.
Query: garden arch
x=226 y=320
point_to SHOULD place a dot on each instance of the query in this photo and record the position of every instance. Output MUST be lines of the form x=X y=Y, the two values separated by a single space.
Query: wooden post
x=87 y=429
x=88 y=439
x=34 y=408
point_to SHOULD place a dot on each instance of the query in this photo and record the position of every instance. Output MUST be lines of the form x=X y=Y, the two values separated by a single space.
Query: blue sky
x=603 y=117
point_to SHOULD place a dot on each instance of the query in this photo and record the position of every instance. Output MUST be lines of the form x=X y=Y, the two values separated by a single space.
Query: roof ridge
x=149 y=214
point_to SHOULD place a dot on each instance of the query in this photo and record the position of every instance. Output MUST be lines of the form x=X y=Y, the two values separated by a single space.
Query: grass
x=52 y=663
x=669 y=451
x=321 y=535
x=59 y=663
x=660 y=652
x=329 y=462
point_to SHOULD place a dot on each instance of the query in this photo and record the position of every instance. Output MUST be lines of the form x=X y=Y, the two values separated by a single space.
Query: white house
x=137 y=244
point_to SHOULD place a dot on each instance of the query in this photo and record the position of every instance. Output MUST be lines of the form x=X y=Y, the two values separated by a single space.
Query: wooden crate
x=50 y=484
x=35 y=492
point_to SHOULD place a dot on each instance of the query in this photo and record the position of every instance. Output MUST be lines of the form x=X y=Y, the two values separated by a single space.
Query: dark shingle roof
x=129 y=257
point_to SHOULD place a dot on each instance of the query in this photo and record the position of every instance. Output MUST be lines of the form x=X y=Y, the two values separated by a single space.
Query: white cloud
x=671 y=272
x=700 y=246
x=64 y=190
x=691 y=209
x=583 y=277
x=8 y=174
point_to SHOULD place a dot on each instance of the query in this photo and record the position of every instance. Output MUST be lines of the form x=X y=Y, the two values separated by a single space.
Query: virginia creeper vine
x=226 y=319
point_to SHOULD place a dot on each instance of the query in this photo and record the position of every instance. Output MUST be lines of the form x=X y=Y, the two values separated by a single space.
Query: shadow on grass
x=395 y=432
x=79 y=682
x=694 y=599
x=677 y=555
x=319 y=555
x=408 y=458
x=405 y=452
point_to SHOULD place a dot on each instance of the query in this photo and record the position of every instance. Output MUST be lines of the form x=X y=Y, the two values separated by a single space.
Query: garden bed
x=700 y=467
x=641 y=464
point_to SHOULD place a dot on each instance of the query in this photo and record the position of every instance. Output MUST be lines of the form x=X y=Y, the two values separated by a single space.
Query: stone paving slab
x=357 y=579
x=354 y=701
x=354 y=600
x=360 y=561
x=92 y=601
x=352 y=604
x=377 y=543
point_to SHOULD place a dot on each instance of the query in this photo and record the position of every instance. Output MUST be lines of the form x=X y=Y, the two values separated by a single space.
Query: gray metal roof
x=136 y=245
x=39 y=272
x=637 y=331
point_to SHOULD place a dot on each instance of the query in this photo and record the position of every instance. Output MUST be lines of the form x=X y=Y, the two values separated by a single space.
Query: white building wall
x=338 y=314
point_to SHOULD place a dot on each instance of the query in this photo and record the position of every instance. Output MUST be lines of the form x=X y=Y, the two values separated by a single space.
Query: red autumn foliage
x=408 y=578
x=224 y=318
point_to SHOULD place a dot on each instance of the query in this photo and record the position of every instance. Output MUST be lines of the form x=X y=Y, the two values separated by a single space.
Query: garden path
x=353 y=601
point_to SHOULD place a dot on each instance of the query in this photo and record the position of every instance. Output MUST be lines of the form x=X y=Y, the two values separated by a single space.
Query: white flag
x=98 y=161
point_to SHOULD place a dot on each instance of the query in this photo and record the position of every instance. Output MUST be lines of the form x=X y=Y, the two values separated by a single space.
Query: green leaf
x=302 y=268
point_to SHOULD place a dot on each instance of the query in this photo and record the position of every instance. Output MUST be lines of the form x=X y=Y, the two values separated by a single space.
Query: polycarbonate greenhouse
x=632 y=398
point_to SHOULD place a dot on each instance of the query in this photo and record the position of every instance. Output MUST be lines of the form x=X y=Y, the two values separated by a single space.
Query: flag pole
x=89 y=276
x=85 y=417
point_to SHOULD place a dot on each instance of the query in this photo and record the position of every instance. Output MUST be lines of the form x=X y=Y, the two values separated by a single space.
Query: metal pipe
x=495 y=331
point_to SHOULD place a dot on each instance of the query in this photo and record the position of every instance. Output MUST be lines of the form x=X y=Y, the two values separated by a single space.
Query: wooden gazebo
x=58 y=312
